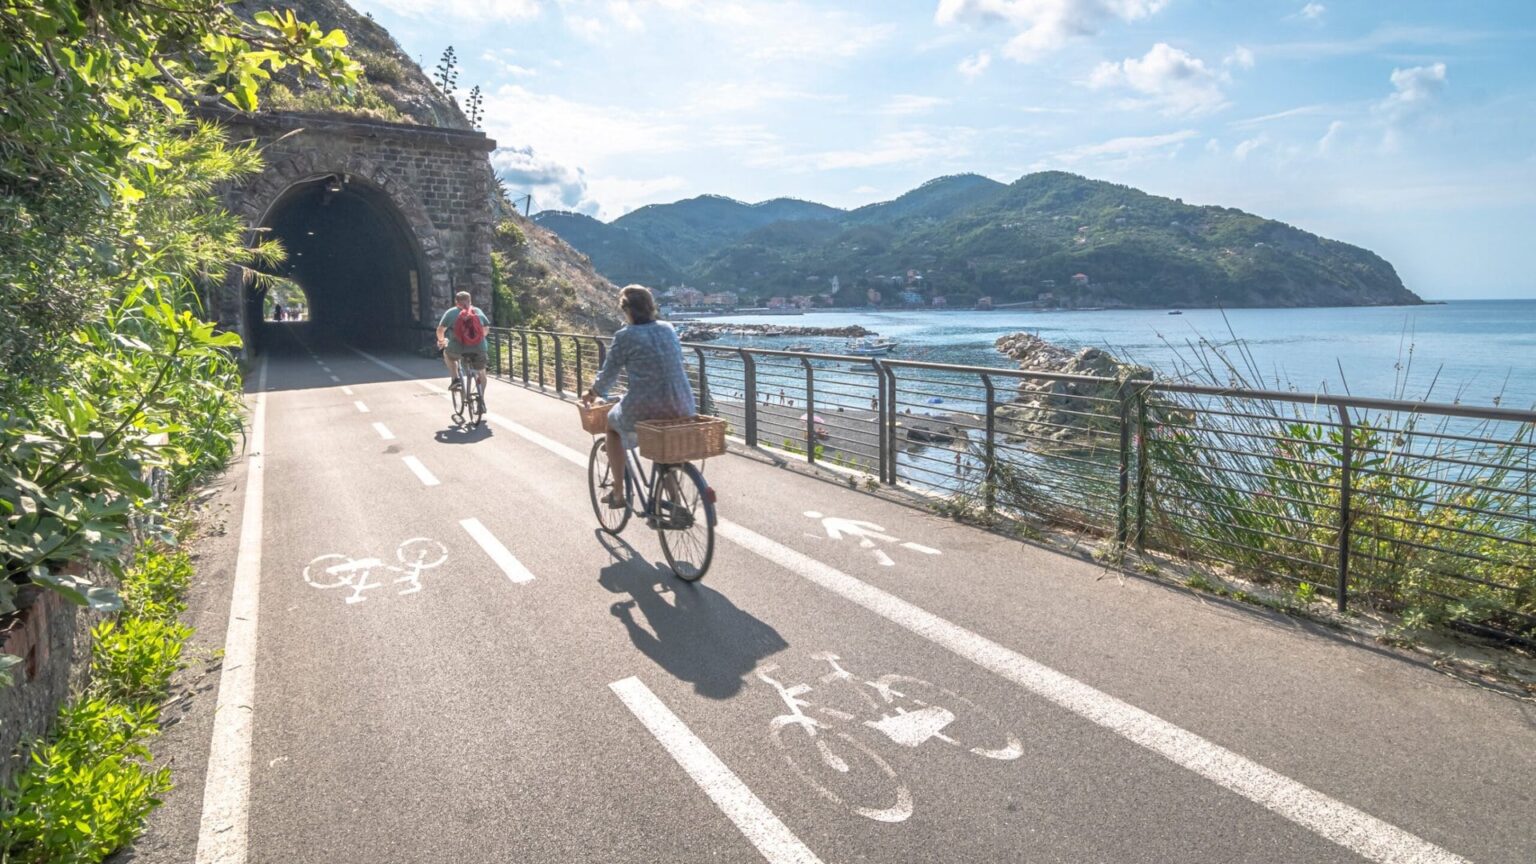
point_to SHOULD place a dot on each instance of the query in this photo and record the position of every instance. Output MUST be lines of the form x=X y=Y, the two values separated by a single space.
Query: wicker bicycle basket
x=594 y=418
x=681 y=440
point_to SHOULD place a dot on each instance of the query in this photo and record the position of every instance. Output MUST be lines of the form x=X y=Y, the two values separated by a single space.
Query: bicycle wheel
x=685 y=519
x=599 y=483
x=476 y=407
x=323 y=577
x=965 y=724
x=458 y=401
x=843 y=770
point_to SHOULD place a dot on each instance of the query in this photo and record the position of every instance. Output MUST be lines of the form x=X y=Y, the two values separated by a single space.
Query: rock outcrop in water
x=1068 y=412
x=694 y=331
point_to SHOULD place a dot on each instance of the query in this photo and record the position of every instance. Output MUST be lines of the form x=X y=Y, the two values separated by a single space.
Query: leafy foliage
x=108 y=377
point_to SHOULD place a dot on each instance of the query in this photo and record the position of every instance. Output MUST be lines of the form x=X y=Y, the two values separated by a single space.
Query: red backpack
x=468 y=328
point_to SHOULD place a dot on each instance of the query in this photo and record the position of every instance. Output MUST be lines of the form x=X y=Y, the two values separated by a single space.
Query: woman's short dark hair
x=638 y=302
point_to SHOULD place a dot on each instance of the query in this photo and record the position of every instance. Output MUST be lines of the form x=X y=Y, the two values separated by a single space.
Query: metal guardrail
x=1427 y=510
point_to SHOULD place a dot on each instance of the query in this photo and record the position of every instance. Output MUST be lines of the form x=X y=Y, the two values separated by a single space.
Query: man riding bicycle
x=461 y=337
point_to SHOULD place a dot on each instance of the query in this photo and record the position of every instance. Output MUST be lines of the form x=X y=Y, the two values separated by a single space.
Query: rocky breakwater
x=694 y=331
x=1073 y=413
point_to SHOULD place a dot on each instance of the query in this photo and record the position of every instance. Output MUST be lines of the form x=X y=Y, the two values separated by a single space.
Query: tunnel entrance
x=358 y=265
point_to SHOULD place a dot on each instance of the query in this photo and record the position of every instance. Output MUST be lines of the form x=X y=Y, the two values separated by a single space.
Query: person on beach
x=652 y=355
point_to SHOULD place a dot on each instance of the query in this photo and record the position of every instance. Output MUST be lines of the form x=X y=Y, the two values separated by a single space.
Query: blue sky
x=1407 y=127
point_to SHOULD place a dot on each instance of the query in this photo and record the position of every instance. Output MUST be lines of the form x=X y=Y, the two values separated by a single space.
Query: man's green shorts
x=475 y=359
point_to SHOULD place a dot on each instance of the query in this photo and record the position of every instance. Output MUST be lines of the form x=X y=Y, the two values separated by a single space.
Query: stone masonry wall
x=437 y=180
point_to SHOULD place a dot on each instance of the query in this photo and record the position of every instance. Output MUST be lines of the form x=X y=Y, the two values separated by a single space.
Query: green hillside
x=1051 y=238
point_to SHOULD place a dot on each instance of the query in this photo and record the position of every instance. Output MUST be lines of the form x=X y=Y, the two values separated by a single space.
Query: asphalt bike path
x=706 y=641
x=508 y=709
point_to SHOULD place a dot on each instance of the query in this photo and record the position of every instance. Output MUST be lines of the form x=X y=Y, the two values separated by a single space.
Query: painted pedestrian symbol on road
x=835 y=750
x=869 y=535
x=415 y=555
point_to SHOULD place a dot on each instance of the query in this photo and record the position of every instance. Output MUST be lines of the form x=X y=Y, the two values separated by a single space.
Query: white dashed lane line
x=361 y=407
x=773 y=839
x=419 y=470
x=498 y=552
x=383 y=431
x=335 y=379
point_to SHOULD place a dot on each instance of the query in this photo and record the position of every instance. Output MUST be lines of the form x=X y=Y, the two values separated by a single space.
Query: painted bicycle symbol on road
x=831 y=748
x=869 y=535
x=415 y=556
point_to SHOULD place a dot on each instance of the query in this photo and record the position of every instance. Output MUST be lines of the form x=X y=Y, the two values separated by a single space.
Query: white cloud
x=1044 y=25
x=1299 y=111
x=718 y=97
x=907 y=147
x=1167 y=78
x=586 y=27
x=1414 y=89
x=473 y=10
x=503 y=64
x=1326 y=143
x=1414 y=92
x=1128 y=148
x=973 y=67
x=907 y=104
x=1212 y=145
x=1312 y=11
x=1241 y=57
x=582 y=133
x=771 y=30
x=553 y=185
x=1243 y=148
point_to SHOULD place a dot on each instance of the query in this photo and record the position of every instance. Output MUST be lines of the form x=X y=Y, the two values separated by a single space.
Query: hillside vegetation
x=1052 y=238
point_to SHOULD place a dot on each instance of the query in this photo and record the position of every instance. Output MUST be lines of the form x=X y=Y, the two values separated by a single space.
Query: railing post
x=522 y=336
x=880 y=429
x=538 y=339
x=1346 y=471
x=602 y=351
x=1143 y=470
x=580 y=388
x=704 y=406
x=810 y=411
x=559 y=365
x=989 y=478
x=749 y=390
x=890 y=425
x=1122 y=502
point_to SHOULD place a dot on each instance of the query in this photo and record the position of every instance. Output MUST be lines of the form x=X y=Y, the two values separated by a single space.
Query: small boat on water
x=1175 y=312
x=868 y=347
x=800 y=346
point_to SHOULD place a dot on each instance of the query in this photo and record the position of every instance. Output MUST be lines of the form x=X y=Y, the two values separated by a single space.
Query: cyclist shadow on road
x=699 y=635
x=460 y=435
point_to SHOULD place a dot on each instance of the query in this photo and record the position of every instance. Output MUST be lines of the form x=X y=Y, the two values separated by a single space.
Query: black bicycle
x=674 y=499
x=468 y=397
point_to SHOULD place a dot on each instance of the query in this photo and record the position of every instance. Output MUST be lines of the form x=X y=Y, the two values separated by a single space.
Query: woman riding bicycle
x=658 y=389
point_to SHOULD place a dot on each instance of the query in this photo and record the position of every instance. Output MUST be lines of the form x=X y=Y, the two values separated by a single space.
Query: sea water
x=1475 y=352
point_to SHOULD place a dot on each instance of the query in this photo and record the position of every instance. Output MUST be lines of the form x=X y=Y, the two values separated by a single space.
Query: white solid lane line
x=1329 y=818
x=498 y=552
x=363 y=409
x=383 y=431
x=751 y=816
x=419 y=470
x=222 y=832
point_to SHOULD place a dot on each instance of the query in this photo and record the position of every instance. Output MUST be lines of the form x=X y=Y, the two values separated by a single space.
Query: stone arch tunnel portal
x=357 y=261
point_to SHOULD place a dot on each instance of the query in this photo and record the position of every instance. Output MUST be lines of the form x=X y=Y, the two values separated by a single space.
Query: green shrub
x=154 y=587
x=88 y=792
x=133 y=659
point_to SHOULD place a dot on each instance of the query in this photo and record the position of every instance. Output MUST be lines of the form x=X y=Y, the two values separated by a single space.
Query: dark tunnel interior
x=351 y=254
